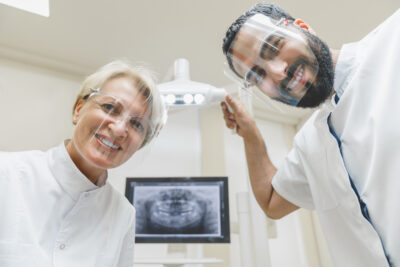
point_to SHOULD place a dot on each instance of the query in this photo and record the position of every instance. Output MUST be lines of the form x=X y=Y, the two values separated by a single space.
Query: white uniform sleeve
x=3 y=164
x=291 y=183
x=127 y=251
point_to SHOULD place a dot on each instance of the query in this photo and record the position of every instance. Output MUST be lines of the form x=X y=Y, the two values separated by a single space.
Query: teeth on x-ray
x=178 y=211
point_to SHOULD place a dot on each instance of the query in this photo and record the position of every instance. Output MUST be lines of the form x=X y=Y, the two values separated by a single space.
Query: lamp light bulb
x=188 y=98
x=199 y=98
x=170 y=99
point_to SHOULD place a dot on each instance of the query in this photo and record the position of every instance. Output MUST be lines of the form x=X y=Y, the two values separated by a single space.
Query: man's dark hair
x=270 y=10
x=316 y=94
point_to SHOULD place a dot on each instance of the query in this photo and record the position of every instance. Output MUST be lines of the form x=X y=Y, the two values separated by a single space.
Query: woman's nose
x=119 y=128
x=277 y=69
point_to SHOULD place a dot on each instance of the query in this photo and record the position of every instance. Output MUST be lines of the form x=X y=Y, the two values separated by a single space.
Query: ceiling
x=79 y=36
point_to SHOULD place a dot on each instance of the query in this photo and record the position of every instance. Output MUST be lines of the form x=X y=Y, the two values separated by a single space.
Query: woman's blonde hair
x=145 y=83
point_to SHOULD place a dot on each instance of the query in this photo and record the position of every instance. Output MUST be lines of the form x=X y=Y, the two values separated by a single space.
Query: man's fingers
x=227 y=113
x=231 y=125
x=225 y=109
x=229 y=118
x=233 y=103
x=231 y=111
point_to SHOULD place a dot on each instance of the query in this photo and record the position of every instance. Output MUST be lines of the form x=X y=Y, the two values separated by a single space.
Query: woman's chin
x=101 y=158
x=102 y=161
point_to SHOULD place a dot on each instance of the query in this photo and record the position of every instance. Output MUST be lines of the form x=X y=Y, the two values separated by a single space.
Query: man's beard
x=321 y=89
x=305 y=64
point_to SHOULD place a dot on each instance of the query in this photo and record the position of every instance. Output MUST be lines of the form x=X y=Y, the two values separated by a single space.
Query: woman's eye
x=108 y=107
x=137 y=125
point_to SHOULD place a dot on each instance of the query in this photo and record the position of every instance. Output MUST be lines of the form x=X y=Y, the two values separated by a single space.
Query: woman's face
x=110 y=125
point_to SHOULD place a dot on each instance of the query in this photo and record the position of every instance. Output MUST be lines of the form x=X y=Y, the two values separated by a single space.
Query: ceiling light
x=188 y=98
x=185 y=91
x=199 y=98
x=40 y=7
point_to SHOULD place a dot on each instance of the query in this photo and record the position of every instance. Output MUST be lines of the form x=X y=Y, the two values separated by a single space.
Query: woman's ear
x=77 y=110
x=303 y=25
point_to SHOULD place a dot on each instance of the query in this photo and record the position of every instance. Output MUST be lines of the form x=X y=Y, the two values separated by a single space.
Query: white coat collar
x=344 y=67
x=71 y=179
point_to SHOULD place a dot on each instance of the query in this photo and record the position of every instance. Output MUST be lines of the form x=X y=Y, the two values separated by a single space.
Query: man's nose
x=277 y=69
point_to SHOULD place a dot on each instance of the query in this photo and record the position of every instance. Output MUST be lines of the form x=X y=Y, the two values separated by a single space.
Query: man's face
x=275 y=57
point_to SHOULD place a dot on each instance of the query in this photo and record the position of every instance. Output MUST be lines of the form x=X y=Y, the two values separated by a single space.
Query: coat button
x=62 y=246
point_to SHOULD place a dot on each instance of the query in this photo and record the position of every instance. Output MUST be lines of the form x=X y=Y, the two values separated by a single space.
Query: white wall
x=35 y=106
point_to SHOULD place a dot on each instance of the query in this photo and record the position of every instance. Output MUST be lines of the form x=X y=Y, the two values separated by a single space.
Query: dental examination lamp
x=182 y=92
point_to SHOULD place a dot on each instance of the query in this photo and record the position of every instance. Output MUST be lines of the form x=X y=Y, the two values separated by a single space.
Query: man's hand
x=261 y=169
x=239 y=118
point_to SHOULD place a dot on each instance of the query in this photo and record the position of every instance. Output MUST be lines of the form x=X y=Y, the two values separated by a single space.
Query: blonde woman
x=57 y=208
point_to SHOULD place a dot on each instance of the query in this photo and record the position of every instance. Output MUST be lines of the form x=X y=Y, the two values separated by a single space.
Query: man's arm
x=261 y=169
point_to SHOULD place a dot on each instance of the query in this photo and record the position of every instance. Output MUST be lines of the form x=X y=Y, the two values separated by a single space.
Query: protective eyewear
x=275 y=57
x=115 y=110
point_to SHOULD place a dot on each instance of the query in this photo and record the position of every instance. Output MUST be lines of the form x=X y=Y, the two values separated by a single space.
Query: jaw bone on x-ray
x=178 y=210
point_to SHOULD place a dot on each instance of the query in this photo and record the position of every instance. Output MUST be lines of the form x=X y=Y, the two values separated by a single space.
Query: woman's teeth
x=108 y=143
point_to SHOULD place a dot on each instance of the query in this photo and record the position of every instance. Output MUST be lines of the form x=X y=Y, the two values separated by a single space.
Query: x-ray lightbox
x=180 y=209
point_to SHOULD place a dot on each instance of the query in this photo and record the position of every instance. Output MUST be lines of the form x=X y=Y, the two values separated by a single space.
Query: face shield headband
x=275 y=57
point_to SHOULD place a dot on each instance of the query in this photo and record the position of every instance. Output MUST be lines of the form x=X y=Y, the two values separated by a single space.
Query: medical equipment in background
x=181 y=92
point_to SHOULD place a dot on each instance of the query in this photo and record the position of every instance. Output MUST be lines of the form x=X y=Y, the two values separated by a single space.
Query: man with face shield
x=344 y=161
x=270 y=54
x=57 y=208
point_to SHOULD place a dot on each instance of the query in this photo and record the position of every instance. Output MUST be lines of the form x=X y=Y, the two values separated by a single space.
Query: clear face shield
x=275 y=57
x=114 y=122
x=115 y=110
